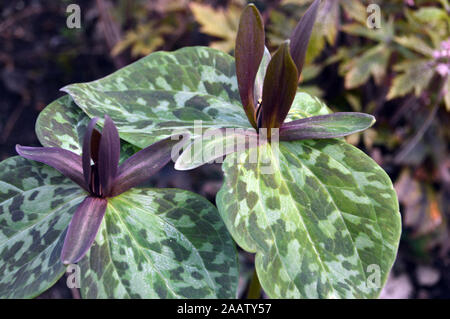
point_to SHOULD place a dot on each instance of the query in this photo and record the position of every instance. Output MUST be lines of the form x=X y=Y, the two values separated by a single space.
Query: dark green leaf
x=36 y=205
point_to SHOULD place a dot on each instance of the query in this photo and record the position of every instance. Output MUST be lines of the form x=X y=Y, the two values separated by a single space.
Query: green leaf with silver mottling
x=36 y=204
x=62 y=124
x=59 y=125
x=160 y=243
x=304 y=106
x=321 y=216
x=166 y=91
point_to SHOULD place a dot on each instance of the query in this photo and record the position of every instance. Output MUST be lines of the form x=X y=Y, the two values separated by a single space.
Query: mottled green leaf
x=63 y=124
x=60 y=124
x=166 y=91
x=160 y=243
x=321 y=216
x=36 y=204
x=305 y=105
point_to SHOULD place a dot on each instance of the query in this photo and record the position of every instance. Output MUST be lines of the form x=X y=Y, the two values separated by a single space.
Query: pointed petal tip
x=249 y=50
x=18 y=148
x=279 y=88
x=301 y=35
x=83 y=229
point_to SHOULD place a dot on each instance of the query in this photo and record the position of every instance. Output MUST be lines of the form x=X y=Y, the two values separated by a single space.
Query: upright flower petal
x=108 y=156
x=249 y=52
x=301 y=34
x=280 y=86
x=91 y=143
x=66 y=162
x=82 y=229
x=142 y=165
x=326 y=126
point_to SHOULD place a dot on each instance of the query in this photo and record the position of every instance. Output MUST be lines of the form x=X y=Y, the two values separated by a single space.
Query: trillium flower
x=98 y=172
x=267 y=85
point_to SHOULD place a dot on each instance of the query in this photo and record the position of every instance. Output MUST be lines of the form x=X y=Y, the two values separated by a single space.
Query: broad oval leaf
x=36 y=205
x=160 y=243
x=322 y=217
x=63 y=124
x=166 y=92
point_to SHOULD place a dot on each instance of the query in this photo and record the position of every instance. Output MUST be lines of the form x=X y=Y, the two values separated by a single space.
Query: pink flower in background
x=442 y=69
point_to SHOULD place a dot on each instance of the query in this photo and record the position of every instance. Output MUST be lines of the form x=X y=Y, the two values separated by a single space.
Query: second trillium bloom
x=268 y=85
x=267 y=89
x=98 y=172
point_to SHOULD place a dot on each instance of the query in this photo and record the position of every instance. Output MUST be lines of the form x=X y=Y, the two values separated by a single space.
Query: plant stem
x=254 y=289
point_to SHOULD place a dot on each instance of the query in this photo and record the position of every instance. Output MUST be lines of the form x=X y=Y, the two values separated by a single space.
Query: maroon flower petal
x=82 y=229
x=301 y=34
x=91 y=143
x=142 y=165
x=248 y=52
x=326 y=126
x=280 y=87
x=66 y=162
x=108 y=156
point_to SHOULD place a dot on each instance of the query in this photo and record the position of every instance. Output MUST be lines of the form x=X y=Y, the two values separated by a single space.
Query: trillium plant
x=321 y=217
x=97 y=172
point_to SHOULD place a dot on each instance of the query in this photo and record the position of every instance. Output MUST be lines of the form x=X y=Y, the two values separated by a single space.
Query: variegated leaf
x=62 y=124
x=166 y=91
x=304 y=106
x=160 y=243
x=321 y=216
x=36 y=204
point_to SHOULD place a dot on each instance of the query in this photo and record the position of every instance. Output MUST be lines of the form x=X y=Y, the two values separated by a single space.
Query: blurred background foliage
x=399 y=73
